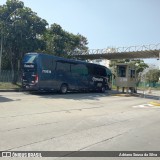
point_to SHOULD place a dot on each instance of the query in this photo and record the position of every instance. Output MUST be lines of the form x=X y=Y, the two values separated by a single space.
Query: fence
x=143 y=85
x=146 y=84
x=7 y=76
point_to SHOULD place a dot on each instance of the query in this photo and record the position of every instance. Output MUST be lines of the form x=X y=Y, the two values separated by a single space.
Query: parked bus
x=47 y=72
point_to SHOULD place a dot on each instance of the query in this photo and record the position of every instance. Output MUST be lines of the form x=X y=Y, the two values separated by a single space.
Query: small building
x=126 y=77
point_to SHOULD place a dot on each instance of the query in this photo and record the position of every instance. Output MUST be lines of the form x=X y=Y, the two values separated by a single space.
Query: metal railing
x=120 y=49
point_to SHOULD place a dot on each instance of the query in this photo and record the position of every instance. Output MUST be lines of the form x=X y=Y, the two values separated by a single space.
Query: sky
x=105 y=23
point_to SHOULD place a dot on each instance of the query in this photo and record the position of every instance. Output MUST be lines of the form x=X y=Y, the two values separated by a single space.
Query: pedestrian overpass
x=132 y=52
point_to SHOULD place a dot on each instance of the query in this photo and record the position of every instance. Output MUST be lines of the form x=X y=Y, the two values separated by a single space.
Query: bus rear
x=30 y=72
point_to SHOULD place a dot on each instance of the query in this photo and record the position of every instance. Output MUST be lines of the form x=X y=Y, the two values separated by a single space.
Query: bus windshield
x=29 y=59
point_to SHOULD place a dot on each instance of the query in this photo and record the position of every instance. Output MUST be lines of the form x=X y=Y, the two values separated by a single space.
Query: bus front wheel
x=63 y=89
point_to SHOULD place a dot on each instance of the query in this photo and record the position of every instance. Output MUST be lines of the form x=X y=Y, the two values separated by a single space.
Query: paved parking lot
x=77 y=122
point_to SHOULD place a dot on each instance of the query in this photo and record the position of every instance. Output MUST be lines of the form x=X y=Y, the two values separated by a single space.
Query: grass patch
x=7 y=85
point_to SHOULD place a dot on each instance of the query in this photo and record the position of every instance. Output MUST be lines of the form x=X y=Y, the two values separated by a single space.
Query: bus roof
x=65 y=59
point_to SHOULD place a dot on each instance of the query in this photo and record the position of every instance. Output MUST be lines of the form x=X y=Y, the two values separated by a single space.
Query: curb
x=121 y=95
x=125 y=95
x=10 y=90
x=155 y=103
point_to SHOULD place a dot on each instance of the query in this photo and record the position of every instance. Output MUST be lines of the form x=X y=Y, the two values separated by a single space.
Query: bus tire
x=63 y=89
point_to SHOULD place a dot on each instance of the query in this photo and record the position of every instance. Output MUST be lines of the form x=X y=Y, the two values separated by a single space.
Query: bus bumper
x=30 y=87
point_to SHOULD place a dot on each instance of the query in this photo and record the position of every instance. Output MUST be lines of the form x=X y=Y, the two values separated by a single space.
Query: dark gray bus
x=47 y=72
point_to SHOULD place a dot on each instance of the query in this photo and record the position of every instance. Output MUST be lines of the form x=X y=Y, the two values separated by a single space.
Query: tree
x=21 y=30
x=62 y=43
x=152 y=76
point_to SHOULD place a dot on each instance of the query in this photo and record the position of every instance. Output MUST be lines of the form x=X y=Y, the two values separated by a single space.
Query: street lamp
x=1 y=43
x=159 y=77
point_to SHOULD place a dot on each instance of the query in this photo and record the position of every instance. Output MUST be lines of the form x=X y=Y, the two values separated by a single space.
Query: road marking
x=156 y=103
x=144 y=106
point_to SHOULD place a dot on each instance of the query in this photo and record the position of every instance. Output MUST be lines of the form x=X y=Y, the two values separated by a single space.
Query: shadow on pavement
x=90 y=95
x=148 y=96
x=4 y=99
x=70 y=95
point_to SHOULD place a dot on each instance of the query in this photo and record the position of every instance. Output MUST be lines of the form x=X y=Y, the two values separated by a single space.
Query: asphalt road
x=78 y=122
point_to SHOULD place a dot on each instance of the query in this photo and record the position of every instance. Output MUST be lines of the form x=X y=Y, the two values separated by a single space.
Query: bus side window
x=101 y=71
x=62 y=66
x=48 y=64
x=80 y=69
x=97 y=71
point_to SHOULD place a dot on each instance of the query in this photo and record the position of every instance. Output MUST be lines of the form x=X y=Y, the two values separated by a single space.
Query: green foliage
x=6 y=62
x=7 y=85
x=140 y=65
x=63 y=43
x=22 y=31
x=153 y=75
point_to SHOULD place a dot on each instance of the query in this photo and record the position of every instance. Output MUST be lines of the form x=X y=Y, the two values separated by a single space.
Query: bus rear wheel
x=63 y=89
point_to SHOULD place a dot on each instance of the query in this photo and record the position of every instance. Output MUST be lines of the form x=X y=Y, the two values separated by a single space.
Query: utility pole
x=1 y=43
x=1 y=50
x=159 y=77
